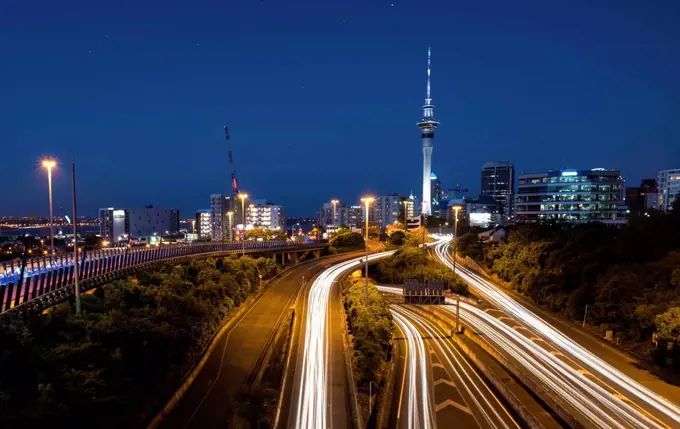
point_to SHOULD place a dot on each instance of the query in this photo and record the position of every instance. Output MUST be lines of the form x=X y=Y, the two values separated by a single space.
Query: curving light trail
x=312 y=400
x=482 y=400
x=597 y=403
x=420 y=415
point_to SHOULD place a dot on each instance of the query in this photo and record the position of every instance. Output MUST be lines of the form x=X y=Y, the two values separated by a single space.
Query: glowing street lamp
x=367 y=201
x=49 y=164
x=456 y=209
x=243 y=197
x=230 y=214
x=335 y=203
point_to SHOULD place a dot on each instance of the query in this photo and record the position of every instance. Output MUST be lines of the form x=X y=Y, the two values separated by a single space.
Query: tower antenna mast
x=234 y=181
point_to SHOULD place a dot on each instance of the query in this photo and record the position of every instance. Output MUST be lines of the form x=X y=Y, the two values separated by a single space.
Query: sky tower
x=427 y=126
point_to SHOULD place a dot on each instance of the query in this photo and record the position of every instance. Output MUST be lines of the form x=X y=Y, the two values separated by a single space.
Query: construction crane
x=234 y=181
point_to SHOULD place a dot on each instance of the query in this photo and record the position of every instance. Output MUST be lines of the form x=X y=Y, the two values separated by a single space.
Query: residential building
x=576 y=196
x=325 y=215
x=203 y=224
x=121 y=224
x=355 y=216
x=498 y=180
x=640 y=199
x=261 y=214
x=668 y=182
x=386 y=209
x=222 y=222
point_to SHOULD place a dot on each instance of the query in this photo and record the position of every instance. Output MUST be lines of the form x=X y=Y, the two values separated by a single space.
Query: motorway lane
x=598 y=394
x=311 y=401
x=449 y=392
x=237 y=350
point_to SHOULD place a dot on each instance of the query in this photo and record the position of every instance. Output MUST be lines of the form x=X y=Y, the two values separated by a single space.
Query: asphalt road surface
x=237 y=350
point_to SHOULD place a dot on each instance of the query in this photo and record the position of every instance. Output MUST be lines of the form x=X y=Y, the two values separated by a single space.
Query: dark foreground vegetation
x=628 y=276
x=413 y=263
x=346 y=242
x=136 y=339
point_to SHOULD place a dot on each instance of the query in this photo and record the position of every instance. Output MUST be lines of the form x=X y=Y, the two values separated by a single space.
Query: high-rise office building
x=498 y=181
x=203 y=224
x=575 y=196
x=427 y=126
x=668 y=182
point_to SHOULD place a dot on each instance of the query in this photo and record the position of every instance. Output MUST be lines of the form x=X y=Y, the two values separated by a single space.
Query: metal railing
x=45 y=280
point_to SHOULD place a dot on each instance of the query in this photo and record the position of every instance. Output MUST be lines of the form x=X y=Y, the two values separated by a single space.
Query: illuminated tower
x=427 y=126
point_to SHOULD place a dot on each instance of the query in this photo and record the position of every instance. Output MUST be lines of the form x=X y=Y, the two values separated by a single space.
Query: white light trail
x=312 y=401
x=420 y=415
x=604 y=371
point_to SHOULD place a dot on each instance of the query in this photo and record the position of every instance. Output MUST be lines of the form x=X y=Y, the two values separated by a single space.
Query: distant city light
x=569 y=173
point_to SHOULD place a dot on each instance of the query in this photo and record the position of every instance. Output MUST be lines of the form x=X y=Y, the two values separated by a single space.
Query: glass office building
x=576 y=196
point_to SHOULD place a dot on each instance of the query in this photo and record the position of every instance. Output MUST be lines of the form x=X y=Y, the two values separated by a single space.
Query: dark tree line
x=628 y=276
x=136 y=339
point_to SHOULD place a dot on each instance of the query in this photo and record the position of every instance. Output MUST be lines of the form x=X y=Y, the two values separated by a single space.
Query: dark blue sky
x=322 y=99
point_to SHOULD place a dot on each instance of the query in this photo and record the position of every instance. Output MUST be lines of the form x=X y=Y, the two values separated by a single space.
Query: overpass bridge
x=34 y=284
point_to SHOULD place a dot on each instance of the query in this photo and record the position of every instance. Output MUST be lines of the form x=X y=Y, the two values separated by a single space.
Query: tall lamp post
x=243 y=198
x=230 y=214
x=367 y=201
x=76 y=267
x=335 y=203
x=49 y=164
x=405 y=202
x=456 y=209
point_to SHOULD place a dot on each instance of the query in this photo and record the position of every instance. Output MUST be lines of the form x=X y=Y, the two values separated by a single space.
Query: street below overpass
x=204 y=404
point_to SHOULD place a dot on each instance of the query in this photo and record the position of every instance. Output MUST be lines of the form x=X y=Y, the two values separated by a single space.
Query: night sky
x=322 y=99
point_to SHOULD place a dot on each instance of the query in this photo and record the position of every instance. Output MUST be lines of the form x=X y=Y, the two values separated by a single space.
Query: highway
x=205 y=404
x=315 y=395
x=594 y=392
x=438 y=386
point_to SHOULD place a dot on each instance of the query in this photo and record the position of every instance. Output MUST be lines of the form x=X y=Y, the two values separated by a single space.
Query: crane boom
x=234 y=181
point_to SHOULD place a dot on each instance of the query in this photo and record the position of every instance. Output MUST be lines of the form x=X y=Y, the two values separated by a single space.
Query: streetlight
x=49 y=164
x=243 y=197
x=456 y=209
x=335 y=203
x=230 y=214
x=367 y=201
x=405 y=202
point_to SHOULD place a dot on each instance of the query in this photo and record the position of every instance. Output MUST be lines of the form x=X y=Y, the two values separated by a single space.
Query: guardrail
x=44 y=280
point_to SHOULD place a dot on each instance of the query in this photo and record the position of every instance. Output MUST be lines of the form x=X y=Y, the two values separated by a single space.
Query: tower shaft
x=427 y=126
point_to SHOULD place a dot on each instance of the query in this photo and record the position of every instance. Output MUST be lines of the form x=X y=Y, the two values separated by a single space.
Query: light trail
x=485 y=403
x=420 y=410
x=313 y=392
x=602 y=403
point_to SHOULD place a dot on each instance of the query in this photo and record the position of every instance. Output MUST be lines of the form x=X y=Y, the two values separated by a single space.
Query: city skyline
x=143 y=114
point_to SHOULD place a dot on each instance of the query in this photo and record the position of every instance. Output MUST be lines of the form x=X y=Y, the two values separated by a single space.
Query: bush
x=371 y=329
x=130 y=347
x=347 y=242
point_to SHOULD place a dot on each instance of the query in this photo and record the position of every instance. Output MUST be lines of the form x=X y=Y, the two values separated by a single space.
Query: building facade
x=222 y=222
x=576 y=196
x=498 y=181
x=121 y=224
x=325 y=215
x=640 y=199
x=481 y=211
x=386 y=209
x=203 y=224
x=261 y=214
x=668 y=182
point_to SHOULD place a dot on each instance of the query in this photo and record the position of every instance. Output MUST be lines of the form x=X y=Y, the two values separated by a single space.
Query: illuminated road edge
x=312 y=400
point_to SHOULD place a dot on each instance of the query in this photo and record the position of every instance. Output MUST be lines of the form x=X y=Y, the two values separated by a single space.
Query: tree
x=668 y=325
